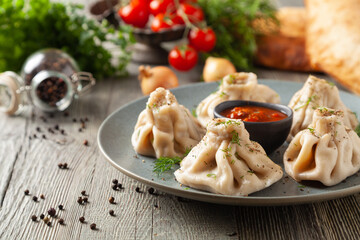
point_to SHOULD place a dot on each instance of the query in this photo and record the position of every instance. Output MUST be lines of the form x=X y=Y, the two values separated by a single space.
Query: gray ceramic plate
x=114 y=141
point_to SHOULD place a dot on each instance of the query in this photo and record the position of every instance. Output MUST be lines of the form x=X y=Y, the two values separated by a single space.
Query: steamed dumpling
x=237 y=86
x=165 y=128
x=315 y=93
x=226 y=161
x=328 y=151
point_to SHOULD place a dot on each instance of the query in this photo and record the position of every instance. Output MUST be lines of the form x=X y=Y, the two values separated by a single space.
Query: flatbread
x=333 y=39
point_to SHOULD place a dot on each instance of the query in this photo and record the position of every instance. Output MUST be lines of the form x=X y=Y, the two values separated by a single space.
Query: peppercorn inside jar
x=54 y=79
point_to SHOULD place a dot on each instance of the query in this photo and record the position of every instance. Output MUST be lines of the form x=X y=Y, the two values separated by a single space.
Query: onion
x=217 y=68
x=152 y=78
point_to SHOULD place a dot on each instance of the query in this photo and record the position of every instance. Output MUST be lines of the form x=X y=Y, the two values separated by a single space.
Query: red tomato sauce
x=254 y=114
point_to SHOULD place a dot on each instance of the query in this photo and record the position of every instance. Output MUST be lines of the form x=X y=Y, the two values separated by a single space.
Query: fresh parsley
x=36 y=24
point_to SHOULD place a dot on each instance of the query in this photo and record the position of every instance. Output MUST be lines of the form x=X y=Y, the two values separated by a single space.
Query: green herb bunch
x=27 y=26
x=232 y=22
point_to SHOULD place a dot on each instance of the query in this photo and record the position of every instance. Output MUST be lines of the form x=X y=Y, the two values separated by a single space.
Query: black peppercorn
x=65 y=165
x=85 y=199
x=82 y=219
x=33 y=218
x=61 y=221
x=60 y=165
x=42 y=196
x=38 y=129
x=115 y=181
x=35 y=198
x=111 y=212
x=43 y=136
x=74 y=119
x=66 y=114
x=62 y=131
x=42 y=216
x=156 y=206
x=93 y=226
x=61 y=207
x=119 y=185
x=52 y=212
x=34 y=136
x=56 y=127
x=151 y=191
x=114 y=187
x=49 y=224
x=137 y=189
x=26 y=192
x=86 y=142
x=111 y=200
x=80 y=129
x=86 y=119
x=83 y=192
x=80 y=200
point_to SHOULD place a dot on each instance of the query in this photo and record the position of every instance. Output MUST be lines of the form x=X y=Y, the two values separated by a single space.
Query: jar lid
x=9 y=92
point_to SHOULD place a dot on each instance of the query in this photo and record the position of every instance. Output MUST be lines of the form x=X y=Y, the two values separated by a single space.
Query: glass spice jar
x=50 y=80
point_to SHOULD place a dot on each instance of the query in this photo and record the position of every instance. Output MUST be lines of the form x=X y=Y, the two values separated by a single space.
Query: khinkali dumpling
x=327 y=151
x=317 y=93
x=226 y=161
x=165 y=128
x=237 y=86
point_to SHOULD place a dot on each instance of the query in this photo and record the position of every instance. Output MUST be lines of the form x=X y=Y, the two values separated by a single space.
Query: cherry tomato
x=135 y=14
x=183 y=58
x=195 y=14
x=202 y=39
x=161 y=6
x=165 y=21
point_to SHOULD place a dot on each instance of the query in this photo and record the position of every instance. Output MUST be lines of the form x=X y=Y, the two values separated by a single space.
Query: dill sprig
x=163 y=164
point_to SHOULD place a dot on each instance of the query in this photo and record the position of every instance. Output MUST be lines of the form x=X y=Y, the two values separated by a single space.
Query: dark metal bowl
x=270 y=135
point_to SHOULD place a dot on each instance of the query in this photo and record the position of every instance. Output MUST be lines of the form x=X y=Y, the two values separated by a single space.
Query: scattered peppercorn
x=56 y=127
x=49 y=224
x=42 y=196
x=30 y=138
x=51 y=115
x=114 y=187
x=80 y=129
x=86 y=119
x=86 y=143
x=93 y=226
x=50 y=130
x=33 y=218
x=156 y=206
x=66 y=114
x=43 y=136
x=115 y=181
x=120 y=185
x=46 y=219
x=83 y=125
x=61 y=207
x=151 y=191
x=111 y=212
x=83 y=192
x=85 y=199
x=42 y=216
x=38 y=129
x=61 y=221
x=82 y=219
x=60 y=165
x=34 y=136
x=74 y=119
x=35 y=198
x=137 y=189
x=26 y=192
x=65 y=165
x=111 y=200
x=80 y=200
x=62 y=131
x=52 y=212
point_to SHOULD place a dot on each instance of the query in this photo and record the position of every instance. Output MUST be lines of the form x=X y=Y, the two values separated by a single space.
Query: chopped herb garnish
x=164 y=164
x=211 y=175
x=228 y=122
x=310 y=99
x=193 y=112
x=331 y=83
x=232 y=161
x=237 y=156
x=311 y=130
x=339 y=123
x=251 y=171
x=235 y=138
x=301 y=186
x=227 y=151
x=222 y=94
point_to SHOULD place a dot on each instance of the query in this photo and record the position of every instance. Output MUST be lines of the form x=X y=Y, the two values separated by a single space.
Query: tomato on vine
x=195 y=14
x=161 y=6
x=202 y=39
x=165 y=21
x=136 y=14
x=183 y=58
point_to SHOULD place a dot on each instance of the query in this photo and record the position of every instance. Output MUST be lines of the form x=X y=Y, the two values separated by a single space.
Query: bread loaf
x=333 y=39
